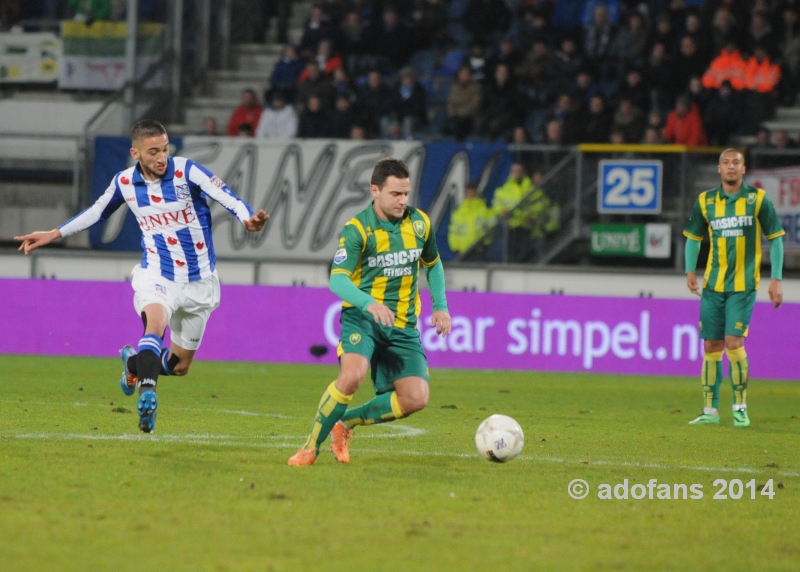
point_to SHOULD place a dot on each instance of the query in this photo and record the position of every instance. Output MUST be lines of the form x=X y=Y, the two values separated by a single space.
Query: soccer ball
x=499 y=438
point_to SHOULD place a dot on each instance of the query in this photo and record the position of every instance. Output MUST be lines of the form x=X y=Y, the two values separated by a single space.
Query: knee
x=181 y=369
x=711 y=346
x=734 y=344
x=415 y=400
x=348 y=382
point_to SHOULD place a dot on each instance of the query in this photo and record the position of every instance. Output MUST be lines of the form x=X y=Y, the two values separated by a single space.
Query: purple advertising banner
x=491 y=331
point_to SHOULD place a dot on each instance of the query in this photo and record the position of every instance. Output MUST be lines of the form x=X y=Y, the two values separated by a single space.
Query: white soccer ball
x=499 y=438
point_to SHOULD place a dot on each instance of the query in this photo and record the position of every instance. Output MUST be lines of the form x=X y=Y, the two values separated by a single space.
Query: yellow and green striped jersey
x=382 y=259
x=734 y=224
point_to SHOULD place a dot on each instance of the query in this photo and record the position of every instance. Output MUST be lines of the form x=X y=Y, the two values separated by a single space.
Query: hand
x=691 y=282
x=775 y=293
x=37 y=239
x=257 y=221
x=441 y=320
x=382 y=314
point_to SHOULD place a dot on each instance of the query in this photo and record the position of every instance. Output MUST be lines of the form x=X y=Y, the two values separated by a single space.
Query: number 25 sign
x=629 y=187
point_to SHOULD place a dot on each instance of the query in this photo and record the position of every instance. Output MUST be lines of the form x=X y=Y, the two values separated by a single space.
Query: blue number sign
x=629 y=187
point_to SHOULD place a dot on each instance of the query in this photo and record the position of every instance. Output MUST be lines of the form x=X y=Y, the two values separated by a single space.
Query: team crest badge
x=182 y=192
x=751 y=198
x=419 y=228
x=355 y=338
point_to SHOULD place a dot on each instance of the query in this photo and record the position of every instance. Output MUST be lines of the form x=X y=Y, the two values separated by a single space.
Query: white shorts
x=188 y=304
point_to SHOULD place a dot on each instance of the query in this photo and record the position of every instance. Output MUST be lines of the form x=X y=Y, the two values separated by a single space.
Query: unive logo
x=355 y=338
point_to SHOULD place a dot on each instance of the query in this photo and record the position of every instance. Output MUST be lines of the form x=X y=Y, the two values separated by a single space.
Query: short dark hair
x=388 y=167
x=147 y=128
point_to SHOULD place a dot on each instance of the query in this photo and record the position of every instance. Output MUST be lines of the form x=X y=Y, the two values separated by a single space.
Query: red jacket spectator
x=684 y=125
x=248 y=113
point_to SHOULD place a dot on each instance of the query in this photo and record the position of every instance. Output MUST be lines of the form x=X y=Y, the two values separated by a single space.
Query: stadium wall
x=490 y=331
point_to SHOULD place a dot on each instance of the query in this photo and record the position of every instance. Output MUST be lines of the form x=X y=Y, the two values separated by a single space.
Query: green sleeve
x=348 y=255
x=430 y=251
x=344 y=288
x=697 y=225
x=690 y=254
x=776 y=257
x=769 y=219
x=436 y=282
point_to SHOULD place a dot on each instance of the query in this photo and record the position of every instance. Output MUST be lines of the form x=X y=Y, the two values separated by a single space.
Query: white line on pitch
x=285 y=442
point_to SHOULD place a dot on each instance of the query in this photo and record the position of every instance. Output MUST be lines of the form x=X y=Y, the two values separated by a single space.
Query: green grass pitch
x=81 y=489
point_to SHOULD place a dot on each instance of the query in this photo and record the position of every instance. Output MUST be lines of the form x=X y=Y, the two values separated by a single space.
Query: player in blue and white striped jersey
x=176 y=283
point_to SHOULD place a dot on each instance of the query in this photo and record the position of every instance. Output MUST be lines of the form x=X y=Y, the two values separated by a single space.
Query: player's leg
x=712 y=330
x=400 y=376
x=332 y=406
x=739 y=309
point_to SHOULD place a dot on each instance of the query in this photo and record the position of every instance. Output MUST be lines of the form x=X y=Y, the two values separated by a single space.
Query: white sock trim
x=710 y=411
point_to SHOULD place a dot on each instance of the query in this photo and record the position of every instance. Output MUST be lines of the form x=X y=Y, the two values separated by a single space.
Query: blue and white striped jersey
x=173 y=214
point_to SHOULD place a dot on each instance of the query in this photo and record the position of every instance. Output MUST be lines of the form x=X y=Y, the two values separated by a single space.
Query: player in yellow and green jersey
x=734 y=215
x=375 y=272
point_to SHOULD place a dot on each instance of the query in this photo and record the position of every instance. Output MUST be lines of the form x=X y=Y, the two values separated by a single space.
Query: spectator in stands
x=698 y=94
x=597 y=122
x=520 y=136
x=702 y=37
x=553 y=133
x=334 y=11
x=248 y=113
x=355 y=40
x=504 y=53
x=598 y=39
x=632 y=41
x=613 y=8
x=582 y=90
x=314 y=84
x=341 y=83
x=617 y=137
x=286 y=73
x=393 y=39
x=684 y=125
x=727 y=66
x=486 y=20
x=409 y=106
x=477 y=62
x=789 y=45
x=314 y=122
x=374 y=101
x=327 y=61
x=210 y=127
x=760 y=33
x=724 y=29
x=501 y=108
x=665 y=33
x=244 y=130
x=783 y=141
x=530 y=28
x=761 y=82
x=358 y=133
x=636 y=89
x=470 y=221
x=317 y=28
x=630 y=120
x=278 y=120
x=569 y=117
x=721 y=116
x=505 y=199
x=652 y=136
x=689 y=63
x=659 y=74
x=429 y=23
x=343 y=118
x=463 y=104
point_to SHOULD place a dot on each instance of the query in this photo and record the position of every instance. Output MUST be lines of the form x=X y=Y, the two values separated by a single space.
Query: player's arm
x=773 y=229
x=352 y=242
x=694 y=237
x=435 y=273
x=102 y=208
x=224 y=195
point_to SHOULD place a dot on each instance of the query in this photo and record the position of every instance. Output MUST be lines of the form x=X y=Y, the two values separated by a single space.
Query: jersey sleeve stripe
x=688 y=234
x=776 y=234
x=342 y=271
x=432 y=263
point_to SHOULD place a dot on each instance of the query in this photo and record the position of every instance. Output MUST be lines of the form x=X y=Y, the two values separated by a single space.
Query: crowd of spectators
x=659 y=71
